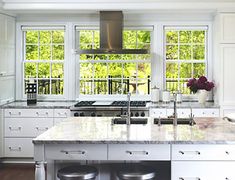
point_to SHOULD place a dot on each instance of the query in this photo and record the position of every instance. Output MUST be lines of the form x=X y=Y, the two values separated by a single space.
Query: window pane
x=171 y=52
x=129 y=39
x=185 y=36
x=85 y=86
x=45 y=52
x=115 y=70
x=45 y=37
x=44 y=70
x=100 y=70
x=44 y=86
x=86 y=37
x=86 y=57
x=115 y=57
x=86 y=70
x=199 y=69
x=57 y=87
x=183 y=87
x=100 y=57
x=172 y=85
x=198 y=36
x=199 y=52
x=172 y=70
x=129 y=70
x=30 y=70
x=58 y=37
x=57 y=70
x=58 y=52
x=31 y=52
x=26 y=81
x=142 y=86
x=185 y=52
x=144 y=70
x=143 y=37
x=143 y=57
x=115 y=86
x=172 y=37
x=100 y=86
x=185 y=70
x=32 y=37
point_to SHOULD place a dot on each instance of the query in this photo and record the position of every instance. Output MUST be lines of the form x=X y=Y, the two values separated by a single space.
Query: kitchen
x=55 y=45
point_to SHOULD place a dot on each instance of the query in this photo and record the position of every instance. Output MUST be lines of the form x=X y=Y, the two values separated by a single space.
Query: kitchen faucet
x=128 y=117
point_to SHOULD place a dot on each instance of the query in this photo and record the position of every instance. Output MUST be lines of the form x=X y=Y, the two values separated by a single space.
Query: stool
x=77 y=173
x=136 y=172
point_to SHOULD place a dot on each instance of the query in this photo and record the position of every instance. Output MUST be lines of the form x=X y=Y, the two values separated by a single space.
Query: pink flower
x=202 y=79
x=202 y=83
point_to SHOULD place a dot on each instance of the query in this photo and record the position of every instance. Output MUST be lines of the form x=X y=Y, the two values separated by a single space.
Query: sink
x=140 y=121
x=180 y=121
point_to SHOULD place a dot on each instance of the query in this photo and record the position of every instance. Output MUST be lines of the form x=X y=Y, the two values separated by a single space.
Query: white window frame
x=20 y=95
x=112 y=96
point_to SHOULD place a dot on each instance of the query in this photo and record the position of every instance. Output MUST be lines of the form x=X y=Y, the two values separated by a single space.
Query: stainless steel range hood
x=111 y=26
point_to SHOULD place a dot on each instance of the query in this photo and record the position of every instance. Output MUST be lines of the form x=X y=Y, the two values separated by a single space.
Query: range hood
x=111 y=26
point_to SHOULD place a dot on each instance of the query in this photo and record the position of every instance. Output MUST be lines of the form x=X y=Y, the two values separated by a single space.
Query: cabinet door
x=228 y=28
x=181 y=113
x=203 y=170
x=227 y=65
x=1 y=133
x=158 y=112
x=204 y=112
x=3 y=61
x=7 y=86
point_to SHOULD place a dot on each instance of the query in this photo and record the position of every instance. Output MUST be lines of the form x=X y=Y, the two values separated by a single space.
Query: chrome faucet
x=175 y=110
x=128 y=117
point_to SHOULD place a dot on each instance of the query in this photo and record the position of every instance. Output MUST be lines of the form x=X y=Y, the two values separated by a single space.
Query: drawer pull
x=42 y=114
x=65 y=113
x=137 y=152
x=186 y=152
x=14 y=114
x=73 y=152
x=226 y=178
x=15 y=148
x=15 y=129
x=227 y=152
x=189 y=178
x=42 y=128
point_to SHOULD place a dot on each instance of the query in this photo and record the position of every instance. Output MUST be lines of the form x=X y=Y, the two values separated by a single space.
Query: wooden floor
x=16 y=172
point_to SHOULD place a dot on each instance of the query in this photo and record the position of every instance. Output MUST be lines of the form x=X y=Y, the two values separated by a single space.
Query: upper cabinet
x=7 y=45
x=228 y=28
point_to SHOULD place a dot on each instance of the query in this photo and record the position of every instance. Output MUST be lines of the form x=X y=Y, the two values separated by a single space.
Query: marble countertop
x=183 y=105
x=99 y=130
x=40 y=105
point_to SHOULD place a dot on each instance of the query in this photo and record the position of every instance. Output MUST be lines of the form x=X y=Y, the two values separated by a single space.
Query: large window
x=114 y=73
x=43 y=58
x=185 y=56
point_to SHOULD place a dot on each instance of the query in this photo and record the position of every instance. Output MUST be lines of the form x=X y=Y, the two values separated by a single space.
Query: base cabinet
x=202 y=170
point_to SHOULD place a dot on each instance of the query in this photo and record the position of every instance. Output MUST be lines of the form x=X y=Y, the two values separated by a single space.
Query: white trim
x=36 y=28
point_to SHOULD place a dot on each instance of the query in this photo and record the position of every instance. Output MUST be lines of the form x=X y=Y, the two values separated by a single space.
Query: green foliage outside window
x=44 y=60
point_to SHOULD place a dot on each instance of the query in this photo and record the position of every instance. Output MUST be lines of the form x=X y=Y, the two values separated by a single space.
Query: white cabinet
x=158 y=112
x=7 y=89
x=202 y=170
x=60 y=115
x=1 y=133
x=206 y=112
x=227 y=28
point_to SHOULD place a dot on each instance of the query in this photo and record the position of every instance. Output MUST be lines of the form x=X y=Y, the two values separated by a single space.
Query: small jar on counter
x=166 y=96
x=155 y=94
x=179 y=97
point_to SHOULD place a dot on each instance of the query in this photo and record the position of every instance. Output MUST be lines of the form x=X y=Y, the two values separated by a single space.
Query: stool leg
x=40 y=171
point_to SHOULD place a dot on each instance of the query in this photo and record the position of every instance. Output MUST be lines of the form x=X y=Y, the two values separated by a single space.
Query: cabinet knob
x=189 y=178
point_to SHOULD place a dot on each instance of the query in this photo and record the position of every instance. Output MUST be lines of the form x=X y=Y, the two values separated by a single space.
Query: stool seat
x=136 y=172
x=80 y=172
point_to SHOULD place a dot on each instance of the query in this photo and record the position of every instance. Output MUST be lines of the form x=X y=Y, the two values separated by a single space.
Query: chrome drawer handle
x=137 y=152
x=65 y=113
x=42 y=114
x=42 y=128
x=227 y=152
x=15 y=148
x=15 y=129
x=189 y=178
x=14 y=114
x=73 y=152
x=226 y=178
x=185 y=152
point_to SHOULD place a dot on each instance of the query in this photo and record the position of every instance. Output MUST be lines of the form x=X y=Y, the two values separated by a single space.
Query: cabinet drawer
x=206 y=112
x=139 y=152
x=18 y=147
x=158 y=112
x=28 y=113
x=203 y=152
x=61 y=113
x=76 y=151
x=203 y=170
x=181 y=113
x=26 y=127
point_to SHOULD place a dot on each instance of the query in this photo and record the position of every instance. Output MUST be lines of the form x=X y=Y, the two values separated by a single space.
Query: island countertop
x=99 y=130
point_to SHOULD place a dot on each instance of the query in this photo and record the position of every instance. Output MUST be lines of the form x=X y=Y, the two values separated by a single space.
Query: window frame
x=112 y=96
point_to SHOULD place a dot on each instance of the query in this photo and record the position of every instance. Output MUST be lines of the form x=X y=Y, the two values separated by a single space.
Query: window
x=185 y=56
x=114 y=73
x=43 y=59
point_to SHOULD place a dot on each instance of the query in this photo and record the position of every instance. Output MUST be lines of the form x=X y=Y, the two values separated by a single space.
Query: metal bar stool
x=80 y=172
x=136 y=172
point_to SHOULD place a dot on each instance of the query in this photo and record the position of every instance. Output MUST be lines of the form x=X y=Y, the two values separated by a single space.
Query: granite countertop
x=98 y=130
x=39 y=105
x=183 y=105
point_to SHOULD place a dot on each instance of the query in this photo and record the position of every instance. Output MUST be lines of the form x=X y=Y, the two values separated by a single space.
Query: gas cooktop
x=113 y=104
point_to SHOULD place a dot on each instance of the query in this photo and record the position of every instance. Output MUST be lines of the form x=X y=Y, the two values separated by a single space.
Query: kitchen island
x=210 y=144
